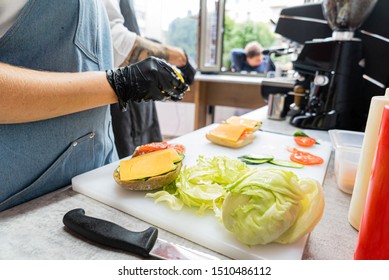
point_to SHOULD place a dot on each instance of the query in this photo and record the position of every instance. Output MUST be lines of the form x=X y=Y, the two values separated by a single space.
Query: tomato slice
x=305 y=158
x=156 y=146
x=304 y=141
x=178 y=147
x=292 y=149
x=244 y=134
x=149 y=148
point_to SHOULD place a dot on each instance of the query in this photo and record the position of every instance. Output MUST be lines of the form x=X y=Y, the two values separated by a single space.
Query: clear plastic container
x=347 y=145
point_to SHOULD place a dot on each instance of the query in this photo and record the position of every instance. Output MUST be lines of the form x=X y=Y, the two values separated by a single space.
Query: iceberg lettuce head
x=272 y=205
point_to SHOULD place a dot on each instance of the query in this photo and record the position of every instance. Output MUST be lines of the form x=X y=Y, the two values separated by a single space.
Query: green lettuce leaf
x=203 y=185
x=258 y=205
x=310 y=213
x=262 y=205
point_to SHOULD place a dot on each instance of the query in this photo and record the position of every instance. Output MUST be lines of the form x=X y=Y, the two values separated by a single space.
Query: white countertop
x=34 y=230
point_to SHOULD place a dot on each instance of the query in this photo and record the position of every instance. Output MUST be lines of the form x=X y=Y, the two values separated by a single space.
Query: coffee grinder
x=330 y=71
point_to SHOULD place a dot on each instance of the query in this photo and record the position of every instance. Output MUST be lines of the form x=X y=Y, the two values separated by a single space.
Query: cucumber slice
x=286 y=163
x=258 y=157
x=182 y=156
x=253 y=161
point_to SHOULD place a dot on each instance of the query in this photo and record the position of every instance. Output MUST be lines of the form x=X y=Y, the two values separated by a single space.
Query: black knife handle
x=110 y=234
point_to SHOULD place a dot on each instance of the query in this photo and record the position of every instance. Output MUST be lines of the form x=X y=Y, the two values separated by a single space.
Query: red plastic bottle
x=373 y=239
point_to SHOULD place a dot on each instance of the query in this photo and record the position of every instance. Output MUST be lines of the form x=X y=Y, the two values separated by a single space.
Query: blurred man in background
x=251 y=59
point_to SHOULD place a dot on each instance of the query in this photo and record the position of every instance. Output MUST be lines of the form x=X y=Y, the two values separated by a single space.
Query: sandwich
x=235 y=132
x=151 y=166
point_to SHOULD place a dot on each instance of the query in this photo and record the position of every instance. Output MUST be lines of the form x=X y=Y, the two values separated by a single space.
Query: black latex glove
x=149 y=79
x=188 y=72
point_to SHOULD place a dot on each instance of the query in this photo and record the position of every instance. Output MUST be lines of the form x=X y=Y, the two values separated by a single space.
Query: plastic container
x=347 y=145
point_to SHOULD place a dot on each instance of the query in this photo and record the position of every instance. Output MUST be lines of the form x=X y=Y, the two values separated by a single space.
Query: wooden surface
x=226 y=90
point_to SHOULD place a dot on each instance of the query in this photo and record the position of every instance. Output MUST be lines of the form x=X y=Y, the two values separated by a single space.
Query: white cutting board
x=205 y=230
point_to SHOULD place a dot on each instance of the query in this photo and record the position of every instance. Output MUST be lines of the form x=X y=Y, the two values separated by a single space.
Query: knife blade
x=145 y=243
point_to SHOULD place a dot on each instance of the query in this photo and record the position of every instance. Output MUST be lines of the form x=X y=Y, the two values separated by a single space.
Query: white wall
x=177 y=119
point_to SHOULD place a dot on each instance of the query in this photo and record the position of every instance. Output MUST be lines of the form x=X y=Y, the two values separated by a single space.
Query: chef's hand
x=149 y=79
x=188 y=72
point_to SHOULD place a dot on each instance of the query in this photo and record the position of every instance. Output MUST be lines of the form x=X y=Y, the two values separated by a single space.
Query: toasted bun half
x=151 y=183
x=223 y=142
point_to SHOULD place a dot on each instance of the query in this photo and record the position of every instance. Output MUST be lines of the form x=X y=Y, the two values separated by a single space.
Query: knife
x=145 y=243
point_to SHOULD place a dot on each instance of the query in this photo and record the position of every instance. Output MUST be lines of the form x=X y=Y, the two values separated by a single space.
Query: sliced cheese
x=173 y=154
x=148 y=165
x=250 y=124
x=228 y=131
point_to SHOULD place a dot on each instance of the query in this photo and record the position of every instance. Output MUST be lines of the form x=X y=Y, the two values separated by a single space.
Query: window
x=254 y=21
x=224 y=25
x=173 y=22
x=211 y=32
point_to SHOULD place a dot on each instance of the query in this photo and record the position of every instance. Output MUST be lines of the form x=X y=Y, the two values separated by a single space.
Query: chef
x=40 y=156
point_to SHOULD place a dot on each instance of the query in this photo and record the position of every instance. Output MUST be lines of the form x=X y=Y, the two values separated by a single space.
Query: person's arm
x=144 y=48
x=237 y=58
x=130 y=48
x=27 y=95
x=271 y=65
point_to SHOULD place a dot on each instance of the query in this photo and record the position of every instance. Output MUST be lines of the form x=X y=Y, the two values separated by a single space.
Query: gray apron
x=42 y=156
x=139 y=124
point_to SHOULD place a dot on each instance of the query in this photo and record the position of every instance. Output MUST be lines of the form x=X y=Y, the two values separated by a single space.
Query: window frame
x=203 y=44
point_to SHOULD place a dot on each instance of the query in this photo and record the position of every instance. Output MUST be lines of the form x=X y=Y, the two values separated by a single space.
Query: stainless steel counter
x=34 y=230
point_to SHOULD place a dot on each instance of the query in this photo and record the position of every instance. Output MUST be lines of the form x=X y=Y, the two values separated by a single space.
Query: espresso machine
x=330 y=70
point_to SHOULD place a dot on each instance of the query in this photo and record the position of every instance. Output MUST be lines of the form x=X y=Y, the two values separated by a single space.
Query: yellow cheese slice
x=148 y=165
x=228 y=131
x=173 y=154
x=251 y=124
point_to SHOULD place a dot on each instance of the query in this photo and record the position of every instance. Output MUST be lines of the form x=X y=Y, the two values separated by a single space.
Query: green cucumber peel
x=254 y=161
x=286 y=163
x=182 y=156
x=257 y=157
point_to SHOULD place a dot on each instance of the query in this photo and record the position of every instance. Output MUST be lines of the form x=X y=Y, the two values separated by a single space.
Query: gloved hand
x=149 y=79
x=188 y=72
